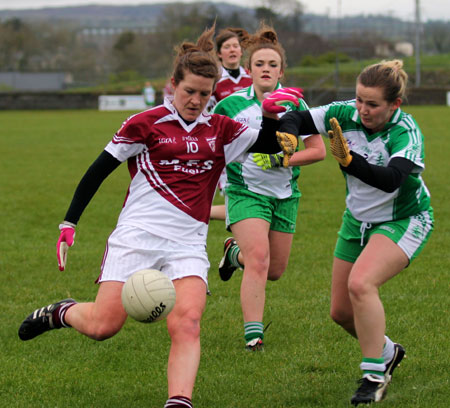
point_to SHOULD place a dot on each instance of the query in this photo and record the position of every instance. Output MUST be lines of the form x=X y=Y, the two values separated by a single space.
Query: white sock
x=388 y=350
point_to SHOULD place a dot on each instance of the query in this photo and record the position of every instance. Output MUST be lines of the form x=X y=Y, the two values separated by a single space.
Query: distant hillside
x=357 y=34
x=102 y=15
x=148 y=15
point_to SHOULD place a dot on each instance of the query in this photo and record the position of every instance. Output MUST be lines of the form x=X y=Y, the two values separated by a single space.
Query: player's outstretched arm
x=271 y=141
x=88 y=186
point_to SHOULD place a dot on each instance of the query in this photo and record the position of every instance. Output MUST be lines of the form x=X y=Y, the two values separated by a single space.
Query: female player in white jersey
x=262 y=204
x=388 y=218
x=175 y=153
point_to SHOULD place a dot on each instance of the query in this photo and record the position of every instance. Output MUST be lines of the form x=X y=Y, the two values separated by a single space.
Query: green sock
x=253 y=330
x=233 y=255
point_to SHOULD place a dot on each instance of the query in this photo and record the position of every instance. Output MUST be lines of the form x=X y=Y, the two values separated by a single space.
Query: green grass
x=427 y=62
x=309 y=361
x=435 y=72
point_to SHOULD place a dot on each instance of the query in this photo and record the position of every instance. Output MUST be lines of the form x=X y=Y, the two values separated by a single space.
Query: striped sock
x=233 y=256
x=253 y=330
x=373 y=366
x=178 y=401
x=59 y=315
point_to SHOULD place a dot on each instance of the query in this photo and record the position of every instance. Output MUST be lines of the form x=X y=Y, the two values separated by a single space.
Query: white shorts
x=130 y=249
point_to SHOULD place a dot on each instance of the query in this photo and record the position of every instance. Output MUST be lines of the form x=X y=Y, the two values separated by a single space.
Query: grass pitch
x=309 y=361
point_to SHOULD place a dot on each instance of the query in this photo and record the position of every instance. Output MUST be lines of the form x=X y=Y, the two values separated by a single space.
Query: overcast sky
x=405 y=9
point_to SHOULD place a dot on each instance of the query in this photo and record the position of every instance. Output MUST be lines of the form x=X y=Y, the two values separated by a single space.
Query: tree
x=129 y=53
x=437 y=36
x=284 y=15
x=267 y=15
x=17 y=45
x=176 y=24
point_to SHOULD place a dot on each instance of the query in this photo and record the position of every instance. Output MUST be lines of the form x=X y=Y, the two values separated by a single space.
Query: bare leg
x=183 y=324
x=380 y=261
x=217 y=212
x=280 y=249
x=104 y=317
x=341 y=306
x=252 y=236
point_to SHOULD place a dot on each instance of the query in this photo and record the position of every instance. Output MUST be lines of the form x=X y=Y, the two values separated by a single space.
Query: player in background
x=175 y=154
x=168 y=88
x=149 y=94
x=230 y=43
x=388 y=218
x=262 y=196
x=229 y=46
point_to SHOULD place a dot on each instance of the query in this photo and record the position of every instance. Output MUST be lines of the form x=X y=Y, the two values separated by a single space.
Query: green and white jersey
x=243 y=106
x=401 y=137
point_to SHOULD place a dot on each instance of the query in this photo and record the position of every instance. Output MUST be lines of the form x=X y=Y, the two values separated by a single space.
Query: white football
x=148 y=296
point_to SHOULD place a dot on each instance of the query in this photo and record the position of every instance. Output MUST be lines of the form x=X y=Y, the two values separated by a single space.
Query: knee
x=359 y=288
x=276 y=270
x=258 y=261
x=275 y=273
x=104 y=331
x=341 y=316
x=185 y=328
x=274 y=276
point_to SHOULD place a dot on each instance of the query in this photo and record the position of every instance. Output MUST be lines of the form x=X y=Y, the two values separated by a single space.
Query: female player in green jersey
x=388 y=218
x=262 y=205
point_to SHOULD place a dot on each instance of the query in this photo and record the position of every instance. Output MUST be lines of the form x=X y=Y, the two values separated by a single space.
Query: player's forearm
x=298 y=123
x=89 y=184
x=313 y=152
x=387 y=179
x=305 y=157
x=266 y=141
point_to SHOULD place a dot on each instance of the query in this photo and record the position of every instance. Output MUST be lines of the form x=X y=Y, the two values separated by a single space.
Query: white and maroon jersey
x=228 y=85
x=175 y=167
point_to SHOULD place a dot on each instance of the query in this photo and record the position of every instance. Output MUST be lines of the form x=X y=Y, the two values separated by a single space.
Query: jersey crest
x=212 y=143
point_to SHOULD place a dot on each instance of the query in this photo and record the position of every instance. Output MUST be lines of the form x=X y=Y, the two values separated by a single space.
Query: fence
x=314 y=97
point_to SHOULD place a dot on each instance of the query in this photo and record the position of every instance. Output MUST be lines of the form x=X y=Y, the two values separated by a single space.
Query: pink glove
x=66 y=240
x=274 y=102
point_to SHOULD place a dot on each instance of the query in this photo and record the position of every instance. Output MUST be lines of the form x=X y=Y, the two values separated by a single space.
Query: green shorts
x=410 y=234
x=280 y=213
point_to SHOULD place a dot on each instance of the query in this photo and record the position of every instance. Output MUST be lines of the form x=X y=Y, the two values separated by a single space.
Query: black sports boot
x=41 y=320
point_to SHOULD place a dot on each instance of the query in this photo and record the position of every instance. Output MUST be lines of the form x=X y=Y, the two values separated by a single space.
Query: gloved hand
x=66 y=240
x=288 y=143
x=274 y=103
x=338 y=144
x=268 y=161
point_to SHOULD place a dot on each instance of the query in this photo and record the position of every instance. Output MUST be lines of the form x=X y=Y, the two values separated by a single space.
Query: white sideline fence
x=121 y=102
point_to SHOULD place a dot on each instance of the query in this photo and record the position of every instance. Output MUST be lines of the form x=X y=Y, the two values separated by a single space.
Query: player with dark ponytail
x=175 y=154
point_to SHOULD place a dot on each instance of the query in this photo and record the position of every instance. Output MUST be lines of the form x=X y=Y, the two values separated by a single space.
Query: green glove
x=268 y=161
